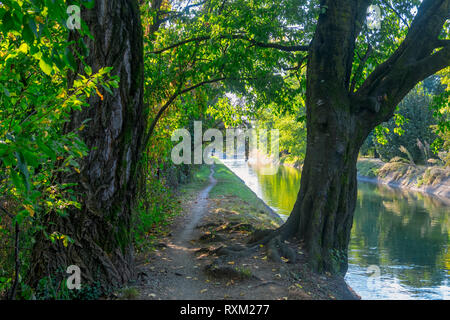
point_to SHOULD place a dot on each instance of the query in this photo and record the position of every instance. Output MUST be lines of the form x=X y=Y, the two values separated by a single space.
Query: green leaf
x=22 y=165
x=46 y=149
x=70 y=60
x=8 y=22
x=27 y=32
x=107 y=89
x=23 y=48
x=17 y=181
x=88 y=70
x=45 y=67
x=89 y=4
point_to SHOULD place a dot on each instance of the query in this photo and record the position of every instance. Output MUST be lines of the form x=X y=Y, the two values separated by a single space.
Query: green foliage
x=368 y=147
x=368 y=167
x=441 y=111
x=156 y=208
x=291 y=125
x=292 y=133
x=411 y=128
x=444 y=155
x=35 y=106
x=217 y=41
x=53 y=289
x=129 y=293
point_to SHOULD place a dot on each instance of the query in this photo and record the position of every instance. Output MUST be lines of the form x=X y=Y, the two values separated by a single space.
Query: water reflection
x=405 y=234
x=280 y=189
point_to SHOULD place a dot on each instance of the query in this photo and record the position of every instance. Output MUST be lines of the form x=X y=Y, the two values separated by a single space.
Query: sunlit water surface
x=399 y=241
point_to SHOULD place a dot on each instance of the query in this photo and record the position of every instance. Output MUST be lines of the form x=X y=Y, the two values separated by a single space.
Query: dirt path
x=176 y=273
x=197 y=213
x=180 y=269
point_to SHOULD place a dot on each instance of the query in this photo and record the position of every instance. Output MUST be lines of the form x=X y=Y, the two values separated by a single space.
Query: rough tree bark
x=107 y=183
x=339 y=120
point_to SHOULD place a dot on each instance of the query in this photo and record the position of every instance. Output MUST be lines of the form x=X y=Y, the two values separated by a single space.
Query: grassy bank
x=400 y=173
x=200 y=179
x=232 y=193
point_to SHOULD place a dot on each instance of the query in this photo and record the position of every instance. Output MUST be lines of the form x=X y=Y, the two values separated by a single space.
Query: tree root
x=271 y=239
x=276 y=249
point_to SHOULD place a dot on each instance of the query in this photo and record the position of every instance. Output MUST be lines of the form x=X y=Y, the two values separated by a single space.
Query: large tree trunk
x=107 y=184
x=339 y=119
x=323 y=213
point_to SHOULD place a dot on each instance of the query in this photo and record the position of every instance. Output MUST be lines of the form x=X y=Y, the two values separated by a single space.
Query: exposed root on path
x=276 y=249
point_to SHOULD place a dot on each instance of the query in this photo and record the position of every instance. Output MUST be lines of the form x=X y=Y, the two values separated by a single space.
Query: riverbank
x=188 y=264
x=431 y=180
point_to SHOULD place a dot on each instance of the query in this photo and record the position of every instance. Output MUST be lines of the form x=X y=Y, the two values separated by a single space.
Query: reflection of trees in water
x=280 y=188
x=408 y=229
x=403 y=228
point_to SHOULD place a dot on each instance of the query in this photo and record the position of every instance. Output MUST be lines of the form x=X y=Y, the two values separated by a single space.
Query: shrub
x=414 y=133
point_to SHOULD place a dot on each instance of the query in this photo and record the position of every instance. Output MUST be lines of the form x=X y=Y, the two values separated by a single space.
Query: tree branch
x=171 y=100
x=6 y=212
x=176 y=14
x=278 y=46
x=442 y=43
x=411 y=63
x=360 y=68
x=334 y=41
x=396 y=12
